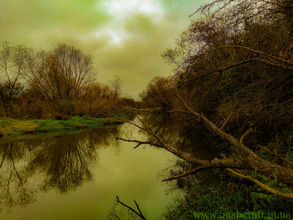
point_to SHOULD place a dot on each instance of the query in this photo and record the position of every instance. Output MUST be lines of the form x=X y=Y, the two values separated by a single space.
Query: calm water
x=78 y=176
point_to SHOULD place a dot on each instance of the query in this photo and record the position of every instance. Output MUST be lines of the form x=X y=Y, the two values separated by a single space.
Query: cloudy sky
x=125 y=37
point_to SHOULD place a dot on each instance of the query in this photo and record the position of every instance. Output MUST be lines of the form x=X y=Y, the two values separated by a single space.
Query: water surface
x=78 y=176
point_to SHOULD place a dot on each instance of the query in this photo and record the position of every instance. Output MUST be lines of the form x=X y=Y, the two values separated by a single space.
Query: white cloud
x=121 y=9
x=115 y=34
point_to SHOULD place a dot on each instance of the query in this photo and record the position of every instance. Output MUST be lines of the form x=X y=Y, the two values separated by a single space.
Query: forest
x=55 y=84
x=232 y=80
x=58 y=90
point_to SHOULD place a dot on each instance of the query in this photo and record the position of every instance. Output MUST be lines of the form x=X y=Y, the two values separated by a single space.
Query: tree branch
x=150 y=132
x=215 y=71
x=265 y=167
x=211 y=164
x=272 y=64
x=139 y=142
x=137 y=206
x=136 y=146
x=224 y=163
x=263 y=186
x=225 y=122
x=128 y=207
x=273 y=153
x=257 y=52
x=243 y=136
x=194 y=170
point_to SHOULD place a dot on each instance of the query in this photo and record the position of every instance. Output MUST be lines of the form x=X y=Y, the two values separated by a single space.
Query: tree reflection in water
x=61 y=162
x=190 y=138
x=65 y=162
x=14 y=190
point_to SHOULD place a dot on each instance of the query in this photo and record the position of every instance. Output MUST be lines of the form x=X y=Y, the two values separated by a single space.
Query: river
x=77 y=176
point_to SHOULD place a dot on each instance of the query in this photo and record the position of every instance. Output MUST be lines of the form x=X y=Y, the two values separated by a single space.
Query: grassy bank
x=10 y=126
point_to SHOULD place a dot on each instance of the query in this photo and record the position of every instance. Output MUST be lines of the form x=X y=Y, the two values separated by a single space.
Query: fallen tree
x=248 y=162
x=233 y=73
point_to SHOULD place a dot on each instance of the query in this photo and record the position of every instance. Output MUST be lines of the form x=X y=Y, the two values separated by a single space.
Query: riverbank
x=145 y=110
x=11 y=126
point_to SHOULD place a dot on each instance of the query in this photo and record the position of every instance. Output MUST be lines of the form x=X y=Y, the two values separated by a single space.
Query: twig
x=136 y=146
x=139 y=214
x=185 y=174
x=138 y=142
x=137 y=206
x=275 y=154
x=257 y=52
x=225 y=122
x=150 y=132
x=243 y=136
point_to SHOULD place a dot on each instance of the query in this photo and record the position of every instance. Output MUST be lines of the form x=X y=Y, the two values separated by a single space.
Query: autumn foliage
x=55 y=84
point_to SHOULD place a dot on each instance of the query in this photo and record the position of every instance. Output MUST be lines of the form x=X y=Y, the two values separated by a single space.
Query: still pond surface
x=78 y=176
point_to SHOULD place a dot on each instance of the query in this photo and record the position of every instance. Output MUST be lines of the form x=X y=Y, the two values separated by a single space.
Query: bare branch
x=150 y=132
x=257 y=52
x=128 y=207
x=137 y=206
x=273 y=153
x=225 y=122
x=243 y=136
x=263 y=186
x=136 y=146
x=194 y=170
x=211 y=164
x=272 y=64
x=139 y=142
x=229 y=162
x=254 y=161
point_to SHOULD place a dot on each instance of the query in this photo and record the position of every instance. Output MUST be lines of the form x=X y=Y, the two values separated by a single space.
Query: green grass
x=50 y=125
x=5 y=123
x=10 y=126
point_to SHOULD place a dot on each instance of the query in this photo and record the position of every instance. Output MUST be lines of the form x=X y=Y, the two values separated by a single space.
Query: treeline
x=235 y=64
x=54 y=84
x=233 y=79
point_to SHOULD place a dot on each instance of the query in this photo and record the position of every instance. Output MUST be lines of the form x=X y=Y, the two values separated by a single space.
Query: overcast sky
x=125 y=37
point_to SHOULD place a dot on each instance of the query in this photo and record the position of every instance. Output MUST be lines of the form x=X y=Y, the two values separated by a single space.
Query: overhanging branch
x=263 y=186
x=257 y=52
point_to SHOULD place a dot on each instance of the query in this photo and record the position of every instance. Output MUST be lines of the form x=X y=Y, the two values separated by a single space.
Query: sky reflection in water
x=78 y=176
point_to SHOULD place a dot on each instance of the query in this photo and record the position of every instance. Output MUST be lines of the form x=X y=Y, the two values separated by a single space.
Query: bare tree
x=61 y=74
x=12 y=61
x=116 y=84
